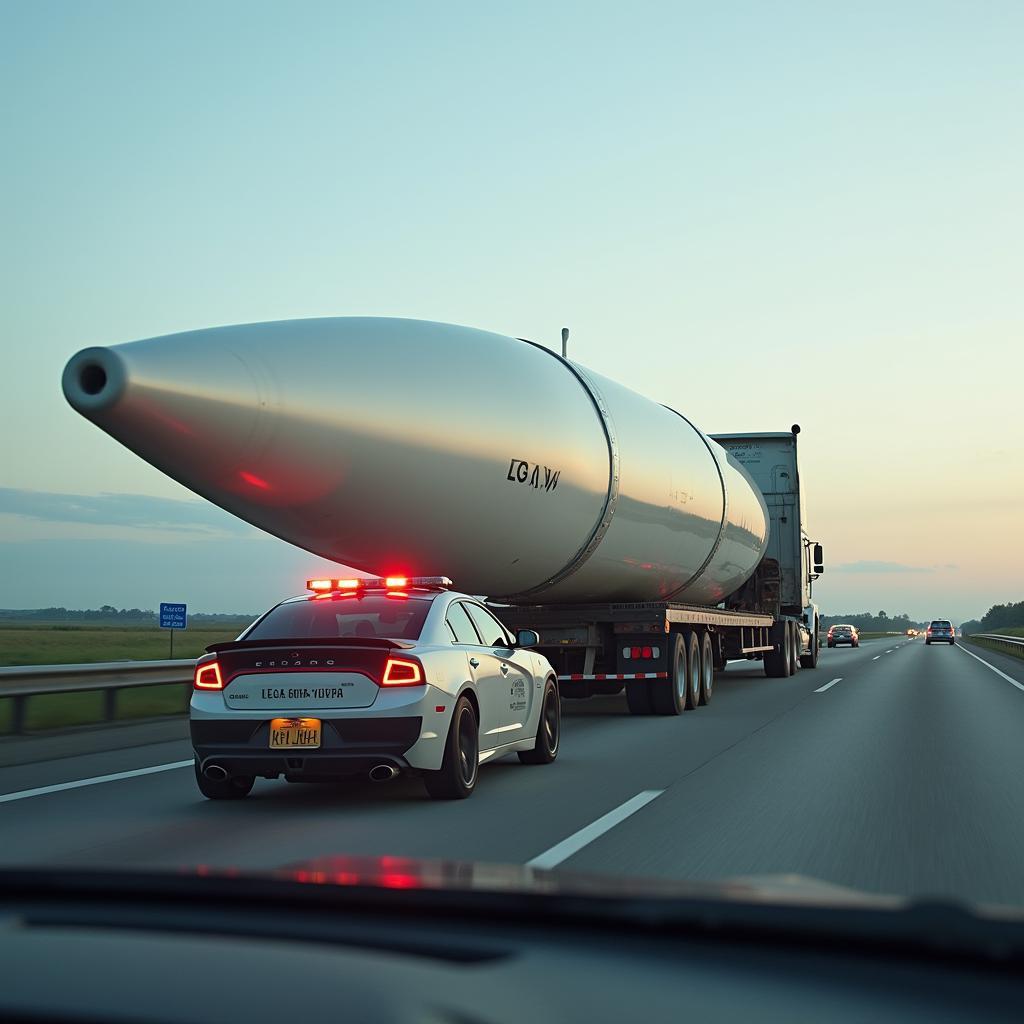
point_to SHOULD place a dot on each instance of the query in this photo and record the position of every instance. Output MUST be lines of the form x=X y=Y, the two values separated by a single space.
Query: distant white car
x=376 y=677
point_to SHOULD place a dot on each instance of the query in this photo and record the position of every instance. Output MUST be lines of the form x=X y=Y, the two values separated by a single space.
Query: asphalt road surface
x=904 y=776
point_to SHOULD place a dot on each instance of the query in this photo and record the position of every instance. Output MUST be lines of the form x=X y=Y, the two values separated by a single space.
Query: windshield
x=394 y=618
x=675 y=349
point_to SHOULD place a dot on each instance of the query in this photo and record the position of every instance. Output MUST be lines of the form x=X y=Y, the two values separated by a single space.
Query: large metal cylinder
x=409 y=446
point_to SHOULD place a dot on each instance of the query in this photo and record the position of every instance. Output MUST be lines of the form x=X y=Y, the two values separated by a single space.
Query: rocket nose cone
x=94 y=380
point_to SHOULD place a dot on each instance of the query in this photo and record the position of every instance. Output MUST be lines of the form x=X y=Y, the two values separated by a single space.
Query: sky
x=759 y=214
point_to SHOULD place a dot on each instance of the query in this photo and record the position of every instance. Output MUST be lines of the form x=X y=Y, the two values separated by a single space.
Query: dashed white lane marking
x=891 y=649
x=876 y=657
x=822 y=689
x=998 y=672
x=574 y=843
x=6 y=798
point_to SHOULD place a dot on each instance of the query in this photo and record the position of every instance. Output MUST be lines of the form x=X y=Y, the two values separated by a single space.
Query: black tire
x=776 y=662
x=927 y=643
x=692 y=670
x=224 y=789
x=549 y=728
x=668 y=696
x=810 y=660
x=707 y=669
x=460 y=767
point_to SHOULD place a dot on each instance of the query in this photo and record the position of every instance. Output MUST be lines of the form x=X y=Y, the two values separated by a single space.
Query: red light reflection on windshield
x=253 y=480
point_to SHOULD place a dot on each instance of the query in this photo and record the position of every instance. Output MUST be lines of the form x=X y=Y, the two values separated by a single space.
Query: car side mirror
x=527 y=638
x=819 y=558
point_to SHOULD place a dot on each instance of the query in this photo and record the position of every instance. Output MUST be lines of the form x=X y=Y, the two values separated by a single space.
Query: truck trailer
x=665 y=654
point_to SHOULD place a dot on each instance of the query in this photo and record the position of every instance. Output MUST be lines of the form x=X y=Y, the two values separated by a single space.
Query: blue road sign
x=172 y=616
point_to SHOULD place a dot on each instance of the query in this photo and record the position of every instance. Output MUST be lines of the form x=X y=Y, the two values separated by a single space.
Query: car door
x=485 y=670
x=514 y=665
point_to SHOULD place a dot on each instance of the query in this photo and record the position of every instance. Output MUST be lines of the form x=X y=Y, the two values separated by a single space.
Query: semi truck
x=665 y=654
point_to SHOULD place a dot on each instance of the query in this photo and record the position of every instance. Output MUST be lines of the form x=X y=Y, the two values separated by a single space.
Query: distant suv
x=940 y=631
x=843 y=634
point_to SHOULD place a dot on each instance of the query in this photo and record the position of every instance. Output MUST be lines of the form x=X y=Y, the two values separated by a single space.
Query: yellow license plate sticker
x=292 y=733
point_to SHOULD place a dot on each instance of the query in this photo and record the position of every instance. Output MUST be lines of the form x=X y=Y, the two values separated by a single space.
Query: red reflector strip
x=579 y=676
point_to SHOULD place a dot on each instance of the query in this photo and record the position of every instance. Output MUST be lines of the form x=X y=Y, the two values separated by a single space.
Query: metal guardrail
x=1010 y=644
x=21 y=682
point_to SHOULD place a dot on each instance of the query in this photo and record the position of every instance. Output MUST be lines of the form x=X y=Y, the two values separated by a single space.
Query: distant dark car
x=843 y=634
x=941 y=631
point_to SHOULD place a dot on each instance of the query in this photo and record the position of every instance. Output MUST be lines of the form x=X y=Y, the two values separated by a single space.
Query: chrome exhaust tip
x=383 y=773
x=215 y=773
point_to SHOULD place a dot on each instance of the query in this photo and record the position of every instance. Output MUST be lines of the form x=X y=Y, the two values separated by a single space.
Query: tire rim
x=709 y=676
x=682 y=683
x=695 y=677
x=468 y=754
x=551 y=721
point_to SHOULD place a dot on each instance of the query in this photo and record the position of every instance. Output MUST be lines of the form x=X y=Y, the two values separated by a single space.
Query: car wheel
x=831 y=645
x=224 y=789
x=456 y=778
x=549 y=729
x=707 y=669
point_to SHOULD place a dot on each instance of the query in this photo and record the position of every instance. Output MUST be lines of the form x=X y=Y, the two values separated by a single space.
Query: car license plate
x=291 y=733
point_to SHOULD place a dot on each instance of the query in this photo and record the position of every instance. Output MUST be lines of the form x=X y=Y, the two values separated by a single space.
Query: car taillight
x=208 y=677
x=399 y=672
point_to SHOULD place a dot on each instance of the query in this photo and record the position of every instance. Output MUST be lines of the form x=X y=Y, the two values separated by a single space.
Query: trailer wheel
x=693 y=672
x=776 y=661
x=794 y=648
x=669 y=696
x=638 y=696
x=707 y=669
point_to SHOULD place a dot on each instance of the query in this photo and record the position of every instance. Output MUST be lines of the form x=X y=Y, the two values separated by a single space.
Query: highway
x=902 y=776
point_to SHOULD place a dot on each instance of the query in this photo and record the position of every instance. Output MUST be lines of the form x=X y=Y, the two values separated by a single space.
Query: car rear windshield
x=941 y=624
x=370 y=615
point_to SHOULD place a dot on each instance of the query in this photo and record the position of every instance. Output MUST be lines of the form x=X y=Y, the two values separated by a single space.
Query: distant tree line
x=999 y=616
x=868 y=623
x=107 y=615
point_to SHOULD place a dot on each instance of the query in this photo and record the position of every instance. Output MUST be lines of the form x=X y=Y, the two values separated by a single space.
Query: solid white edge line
x=998 y=672
x=822 y=689
x=586 y=835
x=59 y=787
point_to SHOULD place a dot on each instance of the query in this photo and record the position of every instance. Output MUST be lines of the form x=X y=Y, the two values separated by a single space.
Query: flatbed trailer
x=663 y=654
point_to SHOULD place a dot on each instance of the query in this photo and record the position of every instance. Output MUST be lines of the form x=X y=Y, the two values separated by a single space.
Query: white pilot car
x=377 y=677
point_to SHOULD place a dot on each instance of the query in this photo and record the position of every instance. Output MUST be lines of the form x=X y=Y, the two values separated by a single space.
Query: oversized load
x=408 y=446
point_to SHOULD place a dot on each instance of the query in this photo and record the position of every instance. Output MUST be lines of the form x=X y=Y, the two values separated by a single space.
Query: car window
x=941 y=624
x=350 y=615
x=461 y=625
x=492 y=631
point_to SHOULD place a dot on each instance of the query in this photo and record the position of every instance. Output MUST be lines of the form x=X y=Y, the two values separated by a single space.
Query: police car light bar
x=327 y=586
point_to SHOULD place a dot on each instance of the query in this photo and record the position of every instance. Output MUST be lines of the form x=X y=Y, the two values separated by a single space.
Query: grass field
x=22 y=644
x=995 y=645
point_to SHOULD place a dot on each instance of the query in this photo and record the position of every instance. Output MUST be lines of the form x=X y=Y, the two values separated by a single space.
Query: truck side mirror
x=527 y=638
x=819 y=559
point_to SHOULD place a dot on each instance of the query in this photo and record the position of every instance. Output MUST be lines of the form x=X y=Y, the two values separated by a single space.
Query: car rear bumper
x=350 y=746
